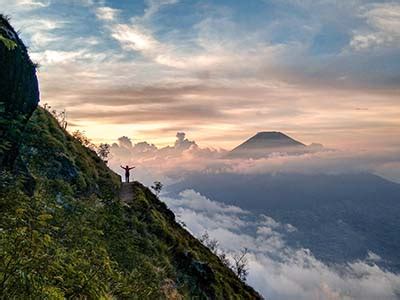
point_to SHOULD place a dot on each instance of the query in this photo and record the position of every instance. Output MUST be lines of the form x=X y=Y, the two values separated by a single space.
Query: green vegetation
x=64 y=232
x=157 y=187
x=44 y=254
x=10 y=44
x=103 y=151
x=50 y=152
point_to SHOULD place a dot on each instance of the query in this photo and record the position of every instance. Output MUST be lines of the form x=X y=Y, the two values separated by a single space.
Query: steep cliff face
x=75 y=234
x=19 y=93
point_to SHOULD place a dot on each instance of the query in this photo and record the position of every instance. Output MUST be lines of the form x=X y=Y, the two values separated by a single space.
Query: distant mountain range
x=268 y=142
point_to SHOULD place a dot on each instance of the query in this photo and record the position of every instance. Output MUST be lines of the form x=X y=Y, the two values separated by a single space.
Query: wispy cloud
x=32 y=4
x=42 y=31
x=107 y=13
x=49 y=57
x=136 y=38
x=383 y=21
x=155 y=5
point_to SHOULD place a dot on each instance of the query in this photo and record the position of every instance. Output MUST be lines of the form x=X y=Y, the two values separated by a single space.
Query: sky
x=324 y=71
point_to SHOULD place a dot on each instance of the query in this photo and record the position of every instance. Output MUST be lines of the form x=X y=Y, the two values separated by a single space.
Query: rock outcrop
x=19 y=92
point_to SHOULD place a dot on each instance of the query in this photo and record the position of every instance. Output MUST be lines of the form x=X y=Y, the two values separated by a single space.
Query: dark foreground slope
x=65 y=233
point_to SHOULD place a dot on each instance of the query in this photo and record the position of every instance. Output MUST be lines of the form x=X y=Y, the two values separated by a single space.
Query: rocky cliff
x=19 y=93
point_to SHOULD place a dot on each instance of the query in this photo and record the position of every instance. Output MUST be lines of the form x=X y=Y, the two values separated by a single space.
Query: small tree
x=224 y=258
x=83 y=139
x=240 y=264
x=61 y=117
x=103 y=151
x=211 y=244
x=157 y=187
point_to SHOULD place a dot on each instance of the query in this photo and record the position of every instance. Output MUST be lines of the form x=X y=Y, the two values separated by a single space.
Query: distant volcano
x=268 y=142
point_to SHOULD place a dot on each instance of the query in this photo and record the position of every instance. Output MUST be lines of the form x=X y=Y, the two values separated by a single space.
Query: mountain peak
x=266 y=142
x=272 y=135
x=270 y=139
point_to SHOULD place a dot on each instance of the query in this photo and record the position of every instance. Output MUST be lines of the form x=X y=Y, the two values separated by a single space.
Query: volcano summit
x=266 y=143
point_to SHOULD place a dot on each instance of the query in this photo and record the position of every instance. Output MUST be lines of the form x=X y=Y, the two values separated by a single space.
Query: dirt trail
x=126 y=192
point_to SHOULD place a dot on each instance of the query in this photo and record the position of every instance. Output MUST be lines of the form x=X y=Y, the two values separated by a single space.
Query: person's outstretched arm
x=122 y=167
x=132 y=168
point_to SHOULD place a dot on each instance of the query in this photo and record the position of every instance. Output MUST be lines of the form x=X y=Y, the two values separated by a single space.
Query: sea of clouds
x=277 y=270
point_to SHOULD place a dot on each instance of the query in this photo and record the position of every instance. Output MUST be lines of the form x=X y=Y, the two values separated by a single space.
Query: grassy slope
x=189 y=262
x=105 y=248
x=50 y=152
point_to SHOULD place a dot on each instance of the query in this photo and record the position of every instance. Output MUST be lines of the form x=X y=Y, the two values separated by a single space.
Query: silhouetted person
x=127 y=169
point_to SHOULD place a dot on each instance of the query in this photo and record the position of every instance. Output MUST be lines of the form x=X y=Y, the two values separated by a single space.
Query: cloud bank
x=185 y=156
x=164 y=163
x=277 y=270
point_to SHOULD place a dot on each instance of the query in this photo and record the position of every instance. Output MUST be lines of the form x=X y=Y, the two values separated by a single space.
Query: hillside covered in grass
x=67 y=230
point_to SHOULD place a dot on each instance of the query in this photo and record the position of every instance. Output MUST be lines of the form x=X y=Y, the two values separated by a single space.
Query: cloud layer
x=276 y=270
x=185 y=156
